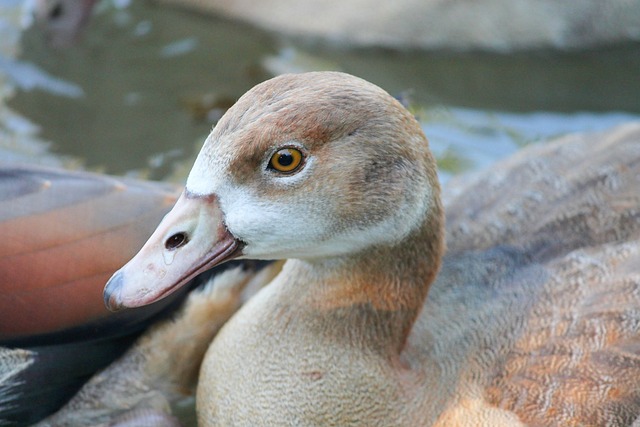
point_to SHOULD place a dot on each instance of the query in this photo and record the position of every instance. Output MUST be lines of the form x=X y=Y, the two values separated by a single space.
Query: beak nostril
x=176 y=241
x=56 y=11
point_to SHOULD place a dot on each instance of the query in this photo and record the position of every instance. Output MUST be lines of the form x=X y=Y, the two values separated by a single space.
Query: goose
x=532 y=317
x=153 y=382
x=64 y=233
x=487 y=25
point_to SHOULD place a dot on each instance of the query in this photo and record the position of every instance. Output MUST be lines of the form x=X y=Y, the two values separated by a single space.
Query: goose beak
x=192 y=238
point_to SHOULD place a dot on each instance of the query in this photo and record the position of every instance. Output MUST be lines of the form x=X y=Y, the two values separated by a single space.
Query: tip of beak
x=112 y=292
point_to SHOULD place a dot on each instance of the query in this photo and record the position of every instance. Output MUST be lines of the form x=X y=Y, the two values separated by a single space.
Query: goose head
x=314 y=166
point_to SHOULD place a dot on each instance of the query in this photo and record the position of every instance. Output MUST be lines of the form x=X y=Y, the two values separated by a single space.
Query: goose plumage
x=531 y=318
x=64 y=233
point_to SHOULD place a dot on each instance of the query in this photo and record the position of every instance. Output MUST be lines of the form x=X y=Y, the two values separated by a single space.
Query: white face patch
x=297 y=222
x=264 y=225
x=283 y=228
x=305 y=227
x=206 y=175
x=303 y=230
x=271 y=230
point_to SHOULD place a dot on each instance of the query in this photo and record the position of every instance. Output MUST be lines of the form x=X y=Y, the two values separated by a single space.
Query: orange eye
x=286 y=160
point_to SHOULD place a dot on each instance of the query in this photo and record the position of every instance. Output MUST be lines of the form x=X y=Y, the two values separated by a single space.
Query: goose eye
x=286 y=160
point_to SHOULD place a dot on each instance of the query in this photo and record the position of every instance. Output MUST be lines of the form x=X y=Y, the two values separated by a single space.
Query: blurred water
x=142 y=89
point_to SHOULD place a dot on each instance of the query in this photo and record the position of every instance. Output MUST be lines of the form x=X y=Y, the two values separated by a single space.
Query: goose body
x=530 y=319
x=64 y=233
x=50 y=217
x=153 y=382
x=494 y=25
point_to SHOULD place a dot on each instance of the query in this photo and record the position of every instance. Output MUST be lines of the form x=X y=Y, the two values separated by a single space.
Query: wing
x=63 y=234
x=568 y=350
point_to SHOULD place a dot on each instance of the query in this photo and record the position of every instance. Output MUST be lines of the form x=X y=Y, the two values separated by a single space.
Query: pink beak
x=191 y=238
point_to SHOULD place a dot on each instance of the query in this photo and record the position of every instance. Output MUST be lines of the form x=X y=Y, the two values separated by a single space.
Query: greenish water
x=142 y=89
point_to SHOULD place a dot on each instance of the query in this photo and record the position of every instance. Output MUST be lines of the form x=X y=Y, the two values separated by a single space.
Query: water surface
x=142 y=89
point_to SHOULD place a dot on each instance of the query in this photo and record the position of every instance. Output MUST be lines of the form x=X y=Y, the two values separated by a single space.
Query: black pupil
x=176 y=241
x=285 y=158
